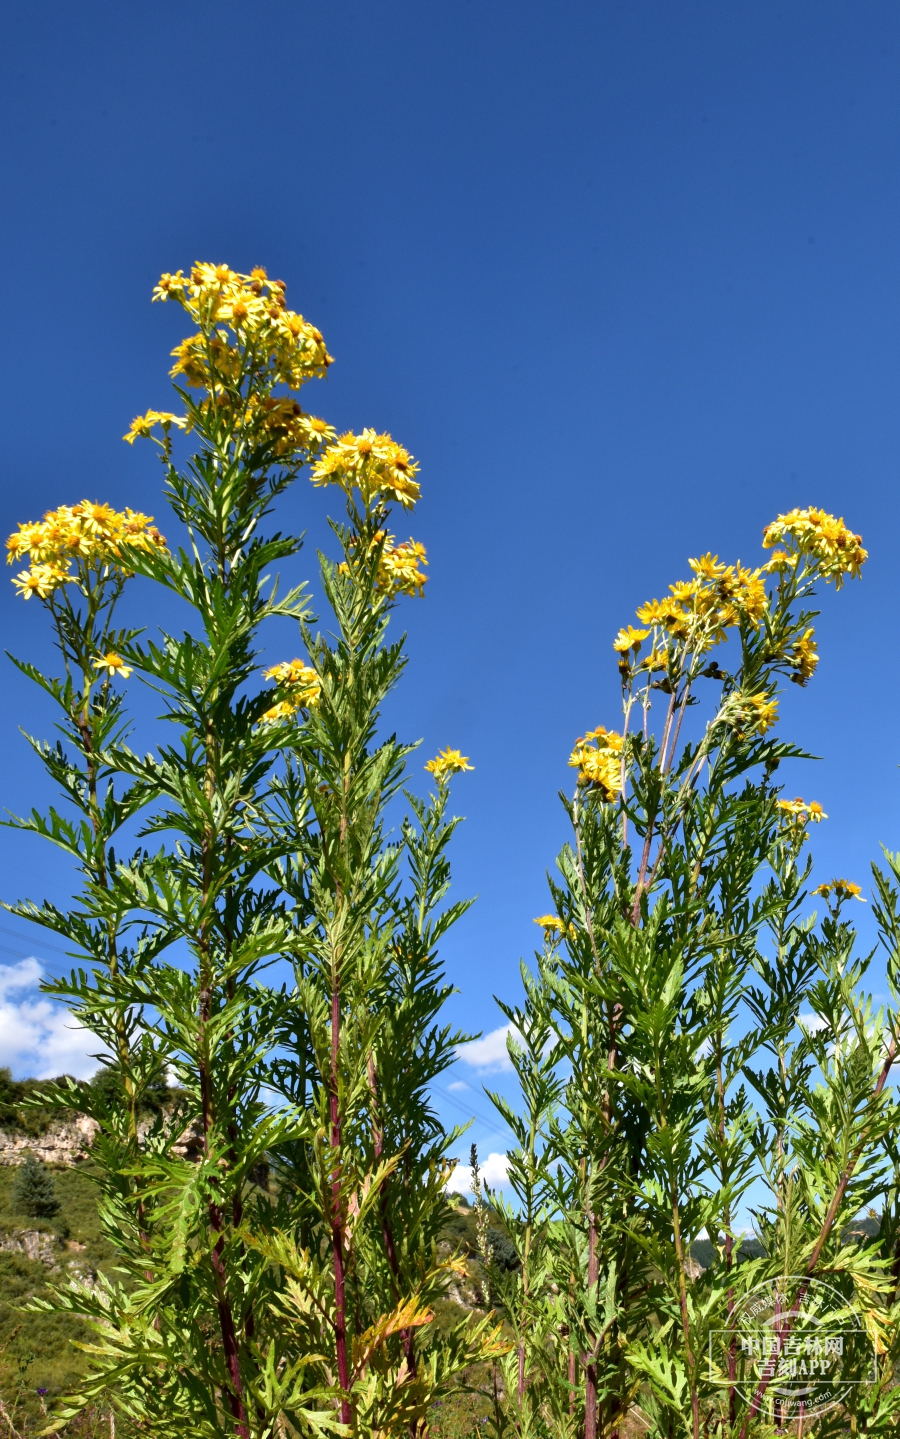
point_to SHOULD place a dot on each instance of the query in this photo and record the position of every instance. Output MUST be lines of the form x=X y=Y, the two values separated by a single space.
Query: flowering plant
x=276 y=1227
x=670 y=1085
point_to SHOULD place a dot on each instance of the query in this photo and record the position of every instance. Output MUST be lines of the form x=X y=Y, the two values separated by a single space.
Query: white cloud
x=39 y=1037
x=494 y=1172
x=812 y=1023
x=456 y=1085
x=488 y=1055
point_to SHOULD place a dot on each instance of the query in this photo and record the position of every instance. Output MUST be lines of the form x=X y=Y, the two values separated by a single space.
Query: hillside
x=37 y=1356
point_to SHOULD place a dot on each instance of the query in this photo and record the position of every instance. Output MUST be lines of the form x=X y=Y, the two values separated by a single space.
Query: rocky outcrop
x=34 y=1244
x=69 y=1142
x=57 y=1255
x=65 y=1142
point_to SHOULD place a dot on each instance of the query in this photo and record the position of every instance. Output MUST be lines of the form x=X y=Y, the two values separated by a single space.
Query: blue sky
x=624 y=278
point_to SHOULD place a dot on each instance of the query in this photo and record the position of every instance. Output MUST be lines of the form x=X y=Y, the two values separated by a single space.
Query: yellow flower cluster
x=841 y=889
x=833 y=549
x=287 y=428
x=254 y=308
x=446 y=763
x=302 y=686
x=598 y=758
x=398 y=565
x=701 y=609
x=799 y=812
x=398 y=569
x=373 y=464
x=90 y=534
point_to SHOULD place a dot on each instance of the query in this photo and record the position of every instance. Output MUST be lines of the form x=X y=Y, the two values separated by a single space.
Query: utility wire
x=25 y=954
x=494 y=1126
x=45 y=944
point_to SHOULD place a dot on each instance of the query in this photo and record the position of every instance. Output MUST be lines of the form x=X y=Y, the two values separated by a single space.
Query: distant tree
x=33 y=1190
x=11 y=1094
x=108 y=1083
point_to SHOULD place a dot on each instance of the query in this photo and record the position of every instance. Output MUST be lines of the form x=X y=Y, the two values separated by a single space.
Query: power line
x=494 y=1126
x=44 y=944
x=24 y=954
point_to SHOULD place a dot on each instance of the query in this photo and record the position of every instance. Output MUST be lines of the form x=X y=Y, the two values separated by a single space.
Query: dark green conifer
x=33 y=1190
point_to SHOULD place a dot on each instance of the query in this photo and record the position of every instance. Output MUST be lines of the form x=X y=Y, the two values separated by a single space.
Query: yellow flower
x=794 y=807
x=767 y=713
x=550 y=921
x=280 y=712
x=371 y=463
x=804 y=657
x=683 y=591
x=300 y=680
x=97 y=519
x=749 y=713
x=447 y=762
x=763 y=712
x=841 y=889
x=169 y=285
x=40 y=580
x=660 y=612
x=598 y=758
x=605 y=738
x=554 y=927
x=145 y=424
x=780 y=563
x=113 y=664
x=319 y=431
x=708 y=567
x=657 y=659
x=833 y=549
x=629 y=638
x=816 y=812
